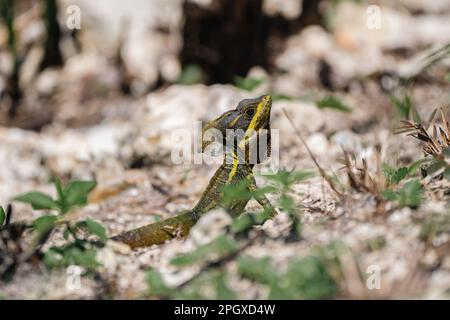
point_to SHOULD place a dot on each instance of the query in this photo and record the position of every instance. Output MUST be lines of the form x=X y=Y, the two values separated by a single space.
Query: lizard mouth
x=264 y=116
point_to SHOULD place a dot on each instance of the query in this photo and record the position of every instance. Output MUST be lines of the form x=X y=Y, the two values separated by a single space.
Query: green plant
x=79 y=253
x=283 y=182
x=213 y=256
x=280 y=183
x=404 y=106
x=249 y=83
x=2 y=217
x=191 y=74
x=72 y=195
x=410 y=195
x=311 y=277
x=384 y=182
x=332 y=102
x=396 y=175
x=211 y=284
x=435 y=144
x=81 y=247
x=305 y=278
x=219 y=247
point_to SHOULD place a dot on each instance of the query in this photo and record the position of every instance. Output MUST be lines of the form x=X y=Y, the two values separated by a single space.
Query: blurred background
x=61 y=57
x=94 y=89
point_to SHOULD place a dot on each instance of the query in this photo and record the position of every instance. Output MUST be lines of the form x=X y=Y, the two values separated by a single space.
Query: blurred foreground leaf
x=332 y=102
x=220 y=246
x=2 y=217
x=71 y=254
x=157 y=284
x=410 y=195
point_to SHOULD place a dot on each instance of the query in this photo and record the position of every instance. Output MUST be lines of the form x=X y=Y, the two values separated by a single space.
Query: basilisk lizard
x=249 y=117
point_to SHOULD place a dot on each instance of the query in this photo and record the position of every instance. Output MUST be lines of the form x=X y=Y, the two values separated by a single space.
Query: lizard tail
x=158 y=232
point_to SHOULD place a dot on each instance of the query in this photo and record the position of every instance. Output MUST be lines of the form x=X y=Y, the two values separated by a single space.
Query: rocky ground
x=125 y=143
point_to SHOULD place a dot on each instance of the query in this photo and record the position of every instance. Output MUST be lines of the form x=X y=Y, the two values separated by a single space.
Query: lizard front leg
x=262 y=199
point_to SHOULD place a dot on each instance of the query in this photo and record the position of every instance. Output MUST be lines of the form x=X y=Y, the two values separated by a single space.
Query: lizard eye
x=250 y=112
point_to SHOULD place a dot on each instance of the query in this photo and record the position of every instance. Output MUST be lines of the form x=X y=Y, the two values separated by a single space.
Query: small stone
x=119 y=247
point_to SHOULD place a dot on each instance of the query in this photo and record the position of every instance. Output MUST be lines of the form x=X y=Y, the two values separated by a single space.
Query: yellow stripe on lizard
x=234 y=168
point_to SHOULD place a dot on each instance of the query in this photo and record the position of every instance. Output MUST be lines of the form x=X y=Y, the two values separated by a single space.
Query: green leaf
x=410 y=194
x=394 y=175
x=258 y=269
x=52 y=258
x=79 y=253
x=287 y=203
x=308 y=278
x=156 y=283
x=2 y=217
x=38 y=200
x=43 y=225
x=390 y=195
x=71 y=254
x=223 y=291
x=97 y=229
x=59 y=189
x=332 y=102
x=242 y=223
x=248 y=84
x=84 y=258
x=191 y=74
x=77 y=191
x=238 y=191
x=403 y=105
x=416 y=165
x=245 y=222
x=220 y=246
x=61 y=196
x=285 y=179
x=400 y=174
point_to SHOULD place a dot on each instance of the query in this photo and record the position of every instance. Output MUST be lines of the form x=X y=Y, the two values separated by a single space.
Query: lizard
x=249 y=117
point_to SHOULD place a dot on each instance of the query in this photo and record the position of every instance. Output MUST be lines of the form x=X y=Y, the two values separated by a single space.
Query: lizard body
x=249 y=116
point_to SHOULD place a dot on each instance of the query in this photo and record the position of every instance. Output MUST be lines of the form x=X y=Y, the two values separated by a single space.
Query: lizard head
x=250 y=116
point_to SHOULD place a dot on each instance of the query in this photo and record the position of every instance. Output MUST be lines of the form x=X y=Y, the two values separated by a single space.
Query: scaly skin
x=250 y=116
